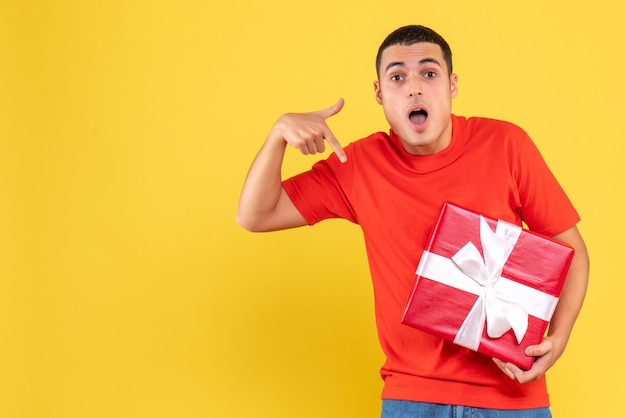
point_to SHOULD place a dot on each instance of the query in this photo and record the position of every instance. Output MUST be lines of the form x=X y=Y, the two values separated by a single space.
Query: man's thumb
x=333 y=110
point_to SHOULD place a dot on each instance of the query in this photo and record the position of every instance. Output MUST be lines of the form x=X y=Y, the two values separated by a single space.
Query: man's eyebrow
x=394 y=64
x=421 y=62
x=430 y=60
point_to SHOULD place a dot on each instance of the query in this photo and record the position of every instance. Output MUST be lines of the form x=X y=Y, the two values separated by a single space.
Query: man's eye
x=430 y=74
x=396 y=77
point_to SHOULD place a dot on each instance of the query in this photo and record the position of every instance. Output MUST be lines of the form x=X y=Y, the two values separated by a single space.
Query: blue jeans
x=408 y=409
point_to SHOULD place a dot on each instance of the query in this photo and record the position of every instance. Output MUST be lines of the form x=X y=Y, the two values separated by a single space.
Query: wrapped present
x=487 y=285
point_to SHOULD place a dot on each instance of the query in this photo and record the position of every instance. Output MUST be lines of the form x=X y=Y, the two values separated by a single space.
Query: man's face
x=416 y=93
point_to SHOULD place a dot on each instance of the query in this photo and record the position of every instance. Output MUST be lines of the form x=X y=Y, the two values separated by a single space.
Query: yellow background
x=126 y=130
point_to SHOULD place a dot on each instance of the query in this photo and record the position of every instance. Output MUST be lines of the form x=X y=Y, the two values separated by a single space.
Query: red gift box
x=487 y=285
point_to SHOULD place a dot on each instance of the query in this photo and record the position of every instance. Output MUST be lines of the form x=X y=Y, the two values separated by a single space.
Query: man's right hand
x=308 y=131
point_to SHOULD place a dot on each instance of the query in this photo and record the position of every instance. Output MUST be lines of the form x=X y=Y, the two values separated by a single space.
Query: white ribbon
x=502 y=303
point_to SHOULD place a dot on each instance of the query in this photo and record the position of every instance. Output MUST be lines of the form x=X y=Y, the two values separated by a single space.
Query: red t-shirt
x=491 y=167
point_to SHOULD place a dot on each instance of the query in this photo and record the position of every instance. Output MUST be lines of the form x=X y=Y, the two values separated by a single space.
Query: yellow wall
x=126 y=129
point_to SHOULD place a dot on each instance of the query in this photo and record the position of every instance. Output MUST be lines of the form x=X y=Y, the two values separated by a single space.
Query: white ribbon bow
x=493 y=306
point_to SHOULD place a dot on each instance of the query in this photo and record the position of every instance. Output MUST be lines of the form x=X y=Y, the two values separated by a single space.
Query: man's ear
x=454 y=85
x=378 y=92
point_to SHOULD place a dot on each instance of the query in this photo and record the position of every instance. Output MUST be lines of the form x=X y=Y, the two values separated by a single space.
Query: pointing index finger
x=330 y=138
x=336 y=146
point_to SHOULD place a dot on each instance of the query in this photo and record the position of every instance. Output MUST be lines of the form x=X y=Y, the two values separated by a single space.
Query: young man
x=393 y=185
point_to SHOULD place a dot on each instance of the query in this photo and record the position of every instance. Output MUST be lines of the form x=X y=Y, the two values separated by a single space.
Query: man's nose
x=414 y=88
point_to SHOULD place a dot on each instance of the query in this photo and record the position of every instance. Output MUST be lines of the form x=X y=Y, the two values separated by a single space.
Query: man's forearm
x=262 y=188
x=573 y=293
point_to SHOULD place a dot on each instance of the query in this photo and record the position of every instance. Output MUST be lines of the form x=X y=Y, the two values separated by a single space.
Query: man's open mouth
x=418 y=116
